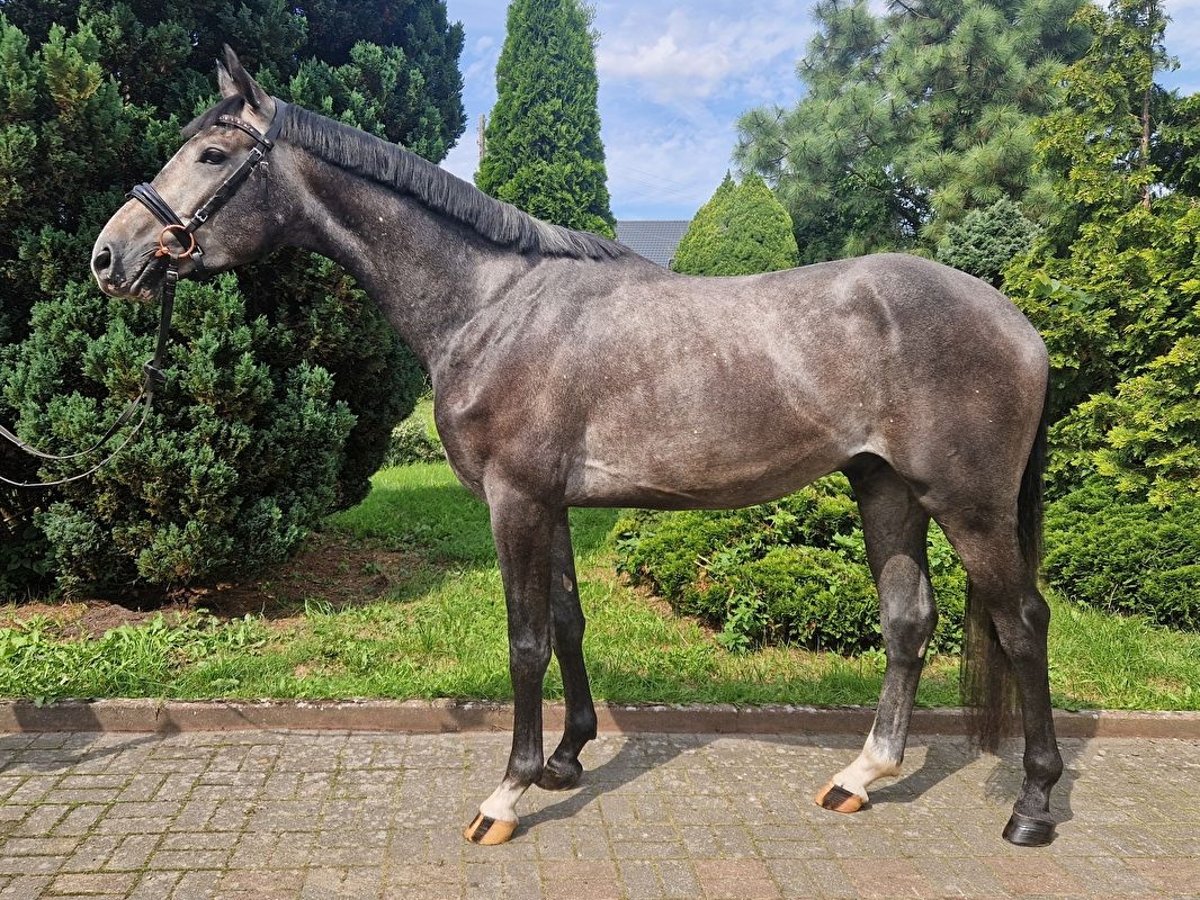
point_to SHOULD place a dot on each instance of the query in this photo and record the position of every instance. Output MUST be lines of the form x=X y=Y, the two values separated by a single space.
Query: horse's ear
x=236 y=81
x=225 y=82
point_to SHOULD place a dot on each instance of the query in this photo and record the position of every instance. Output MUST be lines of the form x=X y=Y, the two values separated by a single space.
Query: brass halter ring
x=164 y=250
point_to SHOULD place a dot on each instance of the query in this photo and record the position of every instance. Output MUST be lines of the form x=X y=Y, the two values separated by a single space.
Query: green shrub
x=412 y=442
x=793 y=571
x=1122 y=556
x=237 y=460
x=1143 y=437
x=986 y=240
x=742 y=230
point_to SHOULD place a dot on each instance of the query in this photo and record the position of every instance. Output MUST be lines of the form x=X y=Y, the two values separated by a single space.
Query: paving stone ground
x=321 y=815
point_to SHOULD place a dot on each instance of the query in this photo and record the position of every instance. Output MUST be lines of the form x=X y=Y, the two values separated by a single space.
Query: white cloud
x=673 y=81
x=480 y=68
x=667 y=173
x=707 y=49
x=672 y=84
x=463 y=160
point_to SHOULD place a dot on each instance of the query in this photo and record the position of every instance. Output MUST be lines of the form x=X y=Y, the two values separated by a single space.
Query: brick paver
x=319 y=815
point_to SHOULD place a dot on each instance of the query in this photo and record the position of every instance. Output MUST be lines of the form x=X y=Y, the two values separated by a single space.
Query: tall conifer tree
x=544 y=153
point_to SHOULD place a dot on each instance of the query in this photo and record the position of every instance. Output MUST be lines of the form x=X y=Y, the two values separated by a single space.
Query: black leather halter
x=176 y=241
x=174 y=229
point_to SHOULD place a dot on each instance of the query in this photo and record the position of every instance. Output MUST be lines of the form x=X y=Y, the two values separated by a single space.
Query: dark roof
x=655 y=240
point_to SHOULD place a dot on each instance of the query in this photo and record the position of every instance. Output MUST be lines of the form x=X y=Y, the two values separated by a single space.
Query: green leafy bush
x=793 y=571
x=1123 y=556
x=413 y=442
x=1143 y=437
x=742 y=230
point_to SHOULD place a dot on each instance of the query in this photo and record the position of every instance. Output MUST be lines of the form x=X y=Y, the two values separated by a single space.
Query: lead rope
x=154 y=380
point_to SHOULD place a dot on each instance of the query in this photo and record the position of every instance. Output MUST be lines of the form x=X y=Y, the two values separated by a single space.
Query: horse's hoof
x=489 y=832
x=1026 y=831
x=558 y=776
x=838 y=799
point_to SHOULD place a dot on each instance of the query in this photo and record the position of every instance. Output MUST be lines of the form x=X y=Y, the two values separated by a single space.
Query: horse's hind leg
x=562 y=768
x=1009 y=619
x=895 y=528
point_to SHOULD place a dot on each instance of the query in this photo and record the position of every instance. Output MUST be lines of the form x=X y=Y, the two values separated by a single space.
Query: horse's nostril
x=102 y=260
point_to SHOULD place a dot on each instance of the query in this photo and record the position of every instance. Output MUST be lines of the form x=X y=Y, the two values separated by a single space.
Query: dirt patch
x=102 y=616
x=331 y=569
x=80 y=618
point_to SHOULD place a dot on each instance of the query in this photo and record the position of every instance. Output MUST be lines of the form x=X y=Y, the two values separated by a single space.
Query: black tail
x=1029 y=502
x=986 y=682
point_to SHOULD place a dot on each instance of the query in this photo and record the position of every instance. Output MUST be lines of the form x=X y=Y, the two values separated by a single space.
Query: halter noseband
x=184 y=235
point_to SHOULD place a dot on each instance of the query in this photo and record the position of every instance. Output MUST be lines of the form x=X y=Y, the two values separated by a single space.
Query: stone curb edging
x=442 y=716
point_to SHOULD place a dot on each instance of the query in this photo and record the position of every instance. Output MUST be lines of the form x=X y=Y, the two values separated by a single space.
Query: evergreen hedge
x=789 y=572
x=986 y=240
x=544 y=152
x=415 y=440
x=1125 y=556
x=794 y=571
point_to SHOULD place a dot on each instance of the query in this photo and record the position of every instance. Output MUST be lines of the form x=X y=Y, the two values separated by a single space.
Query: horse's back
x=654 y=389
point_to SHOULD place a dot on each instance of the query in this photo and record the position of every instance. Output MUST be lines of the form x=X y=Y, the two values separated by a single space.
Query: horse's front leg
x=523 y=530
x=562 y=768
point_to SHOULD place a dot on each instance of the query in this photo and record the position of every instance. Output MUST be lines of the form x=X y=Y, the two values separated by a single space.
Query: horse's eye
x=212 y=156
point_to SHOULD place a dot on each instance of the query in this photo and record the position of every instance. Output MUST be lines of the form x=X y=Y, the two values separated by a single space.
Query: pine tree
x=912 y=119
x=742 y=230
x=285 y=381
x=544 y=153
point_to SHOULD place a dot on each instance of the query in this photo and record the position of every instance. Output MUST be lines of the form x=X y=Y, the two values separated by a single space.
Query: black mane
x=393 y=166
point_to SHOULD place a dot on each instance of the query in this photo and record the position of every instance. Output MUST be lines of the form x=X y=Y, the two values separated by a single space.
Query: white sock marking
x=502 y=805
x=870 y=766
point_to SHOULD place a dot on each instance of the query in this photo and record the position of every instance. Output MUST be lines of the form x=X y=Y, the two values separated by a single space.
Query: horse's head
x=224 y=186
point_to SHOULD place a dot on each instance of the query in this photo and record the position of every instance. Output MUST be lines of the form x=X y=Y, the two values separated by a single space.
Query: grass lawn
x=437 y=630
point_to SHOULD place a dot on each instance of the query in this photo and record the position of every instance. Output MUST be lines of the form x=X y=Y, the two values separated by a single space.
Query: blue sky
x=675 y=76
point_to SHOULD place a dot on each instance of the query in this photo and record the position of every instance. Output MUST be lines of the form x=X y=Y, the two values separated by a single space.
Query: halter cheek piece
x=176 y=241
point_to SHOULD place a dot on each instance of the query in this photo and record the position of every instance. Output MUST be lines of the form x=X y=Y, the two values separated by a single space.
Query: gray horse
x=568 y=371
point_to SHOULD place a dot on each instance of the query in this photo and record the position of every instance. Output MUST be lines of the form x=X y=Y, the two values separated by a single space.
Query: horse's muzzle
x=107 y=270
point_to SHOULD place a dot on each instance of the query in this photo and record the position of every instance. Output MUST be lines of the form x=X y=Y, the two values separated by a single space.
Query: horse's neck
x=427 y=276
